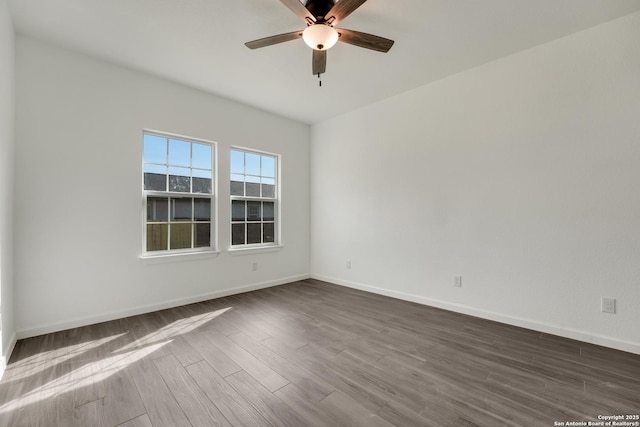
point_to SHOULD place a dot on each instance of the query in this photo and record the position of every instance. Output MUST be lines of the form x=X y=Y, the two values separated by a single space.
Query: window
x=178 y=194
x=253 y=198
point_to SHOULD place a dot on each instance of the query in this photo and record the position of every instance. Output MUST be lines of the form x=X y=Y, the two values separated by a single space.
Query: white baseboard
x=119 y=314
x=628 y=346
x=6 y=354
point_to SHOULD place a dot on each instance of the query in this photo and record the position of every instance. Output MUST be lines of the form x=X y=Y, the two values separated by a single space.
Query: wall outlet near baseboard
x=348 y=264
x=254 y=266
x=608 y=305
x=457 y=281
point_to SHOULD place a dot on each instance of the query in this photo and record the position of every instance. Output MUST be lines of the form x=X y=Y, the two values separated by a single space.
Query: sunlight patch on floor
x=86 y=375
x=43 y=366
x=36 y=364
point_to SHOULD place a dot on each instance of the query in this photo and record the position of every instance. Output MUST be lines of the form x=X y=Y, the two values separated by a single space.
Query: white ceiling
x=200 y=43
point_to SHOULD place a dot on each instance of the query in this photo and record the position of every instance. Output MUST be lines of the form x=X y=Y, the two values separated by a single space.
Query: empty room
x=319 y=213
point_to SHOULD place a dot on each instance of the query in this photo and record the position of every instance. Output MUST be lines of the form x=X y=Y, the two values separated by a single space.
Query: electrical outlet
x=348 y=264
x=254 y=266
x=608 y=305
x=457 y=281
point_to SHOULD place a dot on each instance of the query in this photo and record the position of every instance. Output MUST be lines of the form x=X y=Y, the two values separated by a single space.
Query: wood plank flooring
x=312 y=354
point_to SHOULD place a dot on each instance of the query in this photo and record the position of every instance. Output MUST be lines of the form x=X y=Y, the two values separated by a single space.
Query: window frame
x=206 y=251
x=276 y=199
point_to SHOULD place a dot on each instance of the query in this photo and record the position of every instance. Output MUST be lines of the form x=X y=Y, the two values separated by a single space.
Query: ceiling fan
x=321 y=17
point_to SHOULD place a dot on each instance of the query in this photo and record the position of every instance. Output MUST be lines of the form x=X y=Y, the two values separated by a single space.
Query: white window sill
x=254 y=250
x=176 y=257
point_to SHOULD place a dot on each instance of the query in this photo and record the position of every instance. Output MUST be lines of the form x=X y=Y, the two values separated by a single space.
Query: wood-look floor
x=312 y=354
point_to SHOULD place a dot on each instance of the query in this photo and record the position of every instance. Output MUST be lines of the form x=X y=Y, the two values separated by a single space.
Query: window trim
x=276 y=245
x=186 y=253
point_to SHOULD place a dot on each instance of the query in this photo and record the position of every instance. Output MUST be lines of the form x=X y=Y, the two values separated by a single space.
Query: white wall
x=78 y=172
x=520 y=175
x=7 y=328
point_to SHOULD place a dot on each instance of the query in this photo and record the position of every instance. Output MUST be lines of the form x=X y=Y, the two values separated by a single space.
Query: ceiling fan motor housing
x=319 y=8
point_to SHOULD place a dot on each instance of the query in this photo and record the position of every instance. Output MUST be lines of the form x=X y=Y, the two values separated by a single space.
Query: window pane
x=252 y=164
x=268 y=211
x=181 y=209
x=254 y=211
x=253 y=190
x=253 y=186
x=201 y=173
x=155 y=149
x=179 y=153
x=202 y=185
x=268 y=190
x=237 y=234
x=237 y=185
x=157 y=237
x=237 y=188
x=200 y=156
x=201 y=181
x=180 y=236
x=174 y=170
x=237 y=210
x=157 y=208
x=202 y=209
x=254 y=233
x=237 y=162
x=268 y=235
x=268 y=166
x=201 y=235
x=179 y=180
x=155 y=177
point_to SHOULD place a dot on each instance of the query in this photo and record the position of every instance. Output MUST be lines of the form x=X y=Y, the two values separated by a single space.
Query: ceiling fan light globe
x=320 y=36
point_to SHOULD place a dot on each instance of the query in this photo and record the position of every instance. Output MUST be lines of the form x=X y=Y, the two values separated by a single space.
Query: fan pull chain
x=319 y=80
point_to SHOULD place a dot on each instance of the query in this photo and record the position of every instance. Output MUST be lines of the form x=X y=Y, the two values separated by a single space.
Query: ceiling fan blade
x=343 y=8
x=319 y=62
x=368 y=41
x=268 y=41
x=299 y=9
